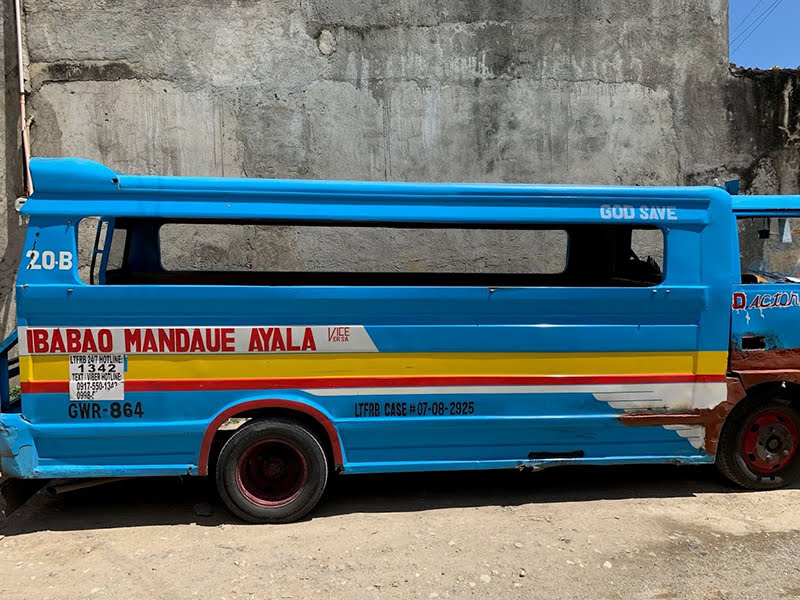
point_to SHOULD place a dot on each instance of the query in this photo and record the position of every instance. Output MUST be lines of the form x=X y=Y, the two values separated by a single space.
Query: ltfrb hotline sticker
x=97 y=377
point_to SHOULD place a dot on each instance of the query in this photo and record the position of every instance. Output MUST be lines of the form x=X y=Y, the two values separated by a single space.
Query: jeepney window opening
x=270 y=253
x=769 y=248
x=360 y=248
x=117 y=250
x=648 y=245
x=92 y=234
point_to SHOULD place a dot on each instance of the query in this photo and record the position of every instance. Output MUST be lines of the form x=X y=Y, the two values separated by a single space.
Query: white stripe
x=469 y=389
x=240 y=340
x=695 y=434
x=667 y=396
x=671 y=397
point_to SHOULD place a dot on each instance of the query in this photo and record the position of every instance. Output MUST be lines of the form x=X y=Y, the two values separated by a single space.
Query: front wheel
x=272 y=471
x=758 y=446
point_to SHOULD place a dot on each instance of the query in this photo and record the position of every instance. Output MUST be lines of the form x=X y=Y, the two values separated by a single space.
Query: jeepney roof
x=73 y=186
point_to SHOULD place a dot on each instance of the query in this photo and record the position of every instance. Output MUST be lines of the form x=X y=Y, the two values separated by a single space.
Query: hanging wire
x=747 y=16
x=754 y=25
x=755 y=21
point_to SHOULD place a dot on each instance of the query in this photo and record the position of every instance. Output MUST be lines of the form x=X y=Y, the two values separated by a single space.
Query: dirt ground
x=630 y=533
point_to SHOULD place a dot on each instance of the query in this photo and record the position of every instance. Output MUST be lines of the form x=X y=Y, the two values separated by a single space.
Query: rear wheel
x=272 y=471
x=758 y=446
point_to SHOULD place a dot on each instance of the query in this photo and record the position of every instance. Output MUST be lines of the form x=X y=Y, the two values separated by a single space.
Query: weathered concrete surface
x=764 y=109
x=11 y=170
x=544 y=91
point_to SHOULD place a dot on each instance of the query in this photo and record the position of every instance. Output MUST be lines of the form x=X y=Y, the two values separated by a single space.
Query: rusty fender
x=712 y=419
x=764 y=366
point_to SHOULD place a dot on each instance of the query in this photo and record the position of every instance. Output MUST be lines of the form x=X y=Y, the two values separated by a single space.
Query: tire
x=759 y=444
x=272 y=471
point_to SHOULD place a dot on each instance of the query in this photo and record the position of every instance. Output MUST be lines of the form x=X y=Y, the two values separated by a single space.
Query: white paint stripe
x=625 y=398
x=672 y=397
x=695 y=434
x=260 y=339
x=470 y=389
x=668 y=396
x=22 y=341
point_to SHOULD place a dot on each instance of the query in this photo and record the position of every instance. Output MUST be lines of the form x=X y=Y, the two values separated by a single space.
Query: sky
x=775 y=42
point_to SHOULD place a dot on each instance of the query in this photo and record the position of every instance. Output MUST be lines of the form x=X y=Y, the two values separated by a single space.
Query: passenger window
x=93 y=243
x=361 y=249
x=87 y=230
x=646 y=256
x=615 y=256
x=171 y=252
x=648 y=245
x=769 y=249
x=117 y=249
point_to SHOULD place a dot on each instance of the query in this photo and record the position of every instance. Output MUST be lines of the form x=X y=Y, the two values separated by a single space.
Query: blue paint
x=777 y=324
x=759 y=205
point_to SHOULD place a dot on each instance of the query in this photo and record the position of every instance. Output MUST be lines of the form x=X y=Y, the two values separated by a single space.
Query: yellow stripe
x=235 y=366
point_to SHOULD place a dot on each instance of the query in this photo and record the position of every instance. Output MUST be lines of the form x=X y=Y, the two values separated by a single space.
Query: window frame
x=749 y=214
x=154 y=226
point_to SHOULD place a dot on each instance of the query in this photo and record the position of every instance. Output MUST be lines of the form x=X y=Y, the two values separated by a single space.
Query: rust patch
x=652 y=419
x=718 y=414
x=764 y=366
x=712 y=419
x=775 y=359
x=751 y=378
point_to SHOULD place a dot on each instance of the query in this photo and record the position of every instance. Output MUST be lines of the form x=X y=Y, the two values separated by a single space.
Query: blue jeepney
x=269 y=333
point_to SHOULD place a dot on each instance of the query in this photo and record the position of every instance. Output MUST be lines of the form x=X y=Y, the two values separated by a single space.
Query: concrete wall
x=764 y=113
x=600 y=91
x=11 y=168
x=595 y=91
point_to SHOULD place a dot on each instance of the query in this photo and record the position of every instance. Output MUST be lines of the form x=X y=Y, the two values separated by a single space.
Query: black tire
x=758 y=446
x=272 y=471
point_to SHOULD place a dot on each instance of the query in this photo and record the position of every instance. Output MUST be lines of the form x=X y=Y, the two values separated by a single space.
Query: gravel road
x=628 y=533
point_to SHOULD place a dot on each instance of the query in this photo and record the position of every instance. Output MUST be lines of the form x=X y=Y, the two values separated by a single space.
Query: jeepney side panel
x=480 y=361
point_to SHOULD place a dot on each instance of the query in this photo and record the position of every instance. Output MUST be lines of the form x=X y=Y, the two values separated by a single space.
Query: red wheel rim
x=271 y=473
x=770 y=441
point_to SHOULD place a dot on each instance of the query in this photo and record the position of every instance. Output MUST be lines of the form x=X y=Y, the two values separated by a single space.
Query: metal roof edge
x=58 y=178
x=787 y=202
x=64 y=175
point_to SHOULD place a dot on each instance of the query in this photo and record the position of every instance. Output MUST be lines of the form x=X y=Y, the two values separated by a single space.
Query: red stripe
x=43 y=387
x=187 y=385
